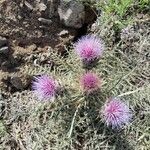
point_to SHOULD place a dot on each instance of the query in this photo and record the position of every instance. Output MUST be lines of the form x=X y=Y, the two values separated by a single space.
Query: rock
x=63 y=33
x=5 y=65
x=42 y=7
x=28 y=5
x=4 y=50
x=71 y=13
x=95 y=26
x=16 y=82
x=45 y=21
x=3 y=41
x=1 y=97
x=21 y=82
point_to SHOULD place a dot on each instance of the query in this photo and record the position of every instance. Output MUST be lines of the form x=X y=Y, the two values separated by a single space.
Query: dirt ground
x=27 y=36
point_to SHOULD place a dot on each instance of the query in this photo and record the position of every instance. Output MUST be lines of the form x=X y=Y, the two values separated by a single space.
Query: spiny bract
x=89 y=48
x=90 y=82
x=116 y=113
x=45 y=87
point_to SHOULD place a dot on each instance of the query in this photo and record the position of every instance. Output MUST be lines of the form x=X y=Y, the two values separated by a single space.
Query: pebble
x=21 y=82
x=42 y=7
x=45 y=21
x=3 y=41
x=4 y=50
x=16 y=82
x=63 y=33
x=28 y=5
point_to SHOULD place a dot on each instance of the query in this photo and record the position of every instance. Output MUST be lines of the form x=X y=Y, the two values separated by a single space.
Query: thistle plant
x=45 y=87
x=104 y=105
x=71 y=115
x=90 y=82
x=89 y=48
x=116 y=113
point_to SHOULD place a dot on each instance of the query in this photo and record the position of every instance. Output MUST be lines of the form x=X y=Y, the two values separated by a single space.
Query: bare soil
x=27 y=36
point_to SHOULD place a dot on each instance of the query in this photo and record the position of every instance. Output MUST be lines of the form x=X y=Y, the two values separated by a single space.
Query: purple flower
x=116 y=113
x=45 y=87
x=90 y=82
x=89 y=48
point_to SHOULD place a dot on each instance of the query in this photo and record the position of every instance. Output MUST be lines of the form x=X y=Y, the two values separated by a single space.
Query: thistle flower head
x=90 y=82
x=45 y=87
x=89 y=48
x=116 y=113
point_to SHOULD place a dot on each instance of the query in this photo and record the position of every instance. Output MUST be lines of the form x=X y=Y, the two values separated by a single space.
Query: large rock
x=71 y=13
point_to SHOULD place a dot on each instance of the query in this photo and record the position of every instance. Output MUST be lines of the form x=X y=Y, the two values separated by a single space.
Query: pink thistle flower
x=45 y=87
x=116 y=113
x=90 y=82
x=89 y=48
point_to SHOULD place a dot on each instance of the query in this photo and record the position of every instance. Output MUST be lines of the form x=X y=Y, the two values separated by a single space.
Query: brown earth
x=27 y=36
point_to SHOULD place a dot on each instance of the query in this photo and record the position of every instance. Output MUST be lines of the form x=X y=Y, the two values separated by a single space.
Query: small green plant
x=144 y=4
x=116 y=7
x=114 y=13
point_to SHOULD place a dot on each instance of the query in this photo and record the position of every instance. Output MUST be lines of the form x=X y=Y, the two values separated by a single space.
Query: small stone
x=4 y=50
x=63 y=33
x=5 y=65
x=94 y=26
x=17 y=83
x=1 y=97
x=28 y=5
x=42 y=7
x=45 y=21
x=3 y=41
